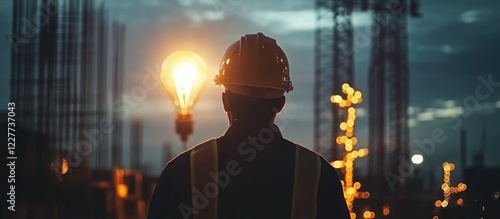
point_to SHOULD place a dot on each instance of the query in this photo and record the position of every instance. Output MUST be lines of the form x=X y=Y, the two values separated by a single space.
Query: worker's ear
x=281 y=104
x=225 y=102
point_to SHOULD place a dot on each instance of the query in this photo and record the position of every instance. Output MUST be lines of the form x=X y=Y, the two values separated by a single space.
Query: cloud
x=471 y=16
x=447 y=109
x=199 y=16
x=208 y=10
x=428 y=115
x=187 y=3
x=284 y=22
x=412 y=122
x=442 y=49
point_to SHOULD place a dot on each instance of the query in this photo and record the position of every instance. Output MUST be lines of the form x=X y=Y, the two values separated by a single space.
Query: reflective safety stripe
x=306 y=182
x=204 y=160
x=204 y=189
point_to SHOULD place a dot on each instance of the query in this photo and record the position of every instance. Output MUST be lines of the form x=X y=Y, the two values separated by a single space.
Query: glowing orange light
x=386 y=211
x=336 y=98
x=351 y=191
x=354 y=140
x=363 y=152
x=353 y=215
x=357 y=185
x=366 y=214
x=343 y=126
x=462 y=186
x=351 y=110
x=447 y=189
x=354 y=154
x=122 y=190
x=438 y=203
x=349 y=141
x=338 y=164
x=183 y=73
x=345 y=86
x=349 y=163
x=342 y=103
x=444 y=203
x=64 y=166
x=338 y=140
x=357 y=94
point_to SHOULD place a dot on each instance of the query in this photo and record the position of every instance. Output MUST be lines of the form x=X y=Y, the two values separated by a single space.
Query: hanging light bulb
x=184 y=73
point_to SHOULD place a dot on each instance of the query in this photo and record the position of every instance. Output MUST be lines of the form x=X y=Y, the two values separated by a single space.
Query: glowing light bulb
x=183 y=73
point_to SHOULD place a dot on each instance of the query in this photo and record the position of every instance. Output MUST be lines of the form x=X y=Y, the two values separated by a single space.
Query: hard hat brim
x=257 y=92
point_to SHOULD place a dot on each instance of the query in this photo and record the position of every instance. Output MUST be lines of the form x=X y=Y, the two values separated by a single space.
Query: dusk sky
x=452 y=46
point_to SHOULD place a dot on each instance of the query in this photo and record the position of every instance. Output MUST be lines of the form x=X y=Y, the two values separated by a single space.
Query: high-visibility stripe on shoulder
x=306 y=182
x=204 y=160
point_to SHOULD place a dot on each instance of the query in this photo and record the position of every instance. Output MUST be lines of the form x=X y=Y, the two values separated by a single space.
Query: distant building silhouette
x=60 y=81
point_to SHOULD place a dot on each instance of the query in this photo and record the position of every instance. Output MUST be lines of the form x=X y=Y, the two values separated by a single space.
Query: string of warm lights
x=447 y=189
x=351 y=188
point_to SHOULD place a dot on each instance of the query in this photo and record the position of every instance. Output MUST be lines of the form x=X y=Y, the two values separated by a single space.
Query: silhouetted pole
x=463 y=151
x=136 y=144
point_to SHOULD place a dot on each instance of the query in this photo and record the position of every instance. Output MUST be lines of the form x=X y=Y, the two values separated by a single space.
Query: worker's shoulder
x=305 y=150
x=328 y=173
x=179 y=166
x=205 y=144
x=184 y=157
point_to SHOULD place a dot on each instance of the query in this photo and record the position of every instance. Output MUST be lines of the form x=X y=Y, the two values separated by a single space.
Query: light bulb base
x=184 y=126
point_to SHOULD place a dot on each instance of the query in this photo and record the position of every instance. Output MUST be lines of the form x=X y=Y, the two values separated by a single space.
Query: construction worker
x=251 y=171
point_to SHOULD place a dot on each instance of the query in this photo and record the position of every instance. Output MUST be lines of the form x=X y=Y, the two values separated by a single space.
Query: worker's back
x=256 y=180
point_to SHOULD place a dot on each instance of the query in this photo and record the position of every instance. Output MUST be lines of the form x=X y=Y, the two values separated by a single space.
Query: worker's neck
x=254 y=123
x=242 y=129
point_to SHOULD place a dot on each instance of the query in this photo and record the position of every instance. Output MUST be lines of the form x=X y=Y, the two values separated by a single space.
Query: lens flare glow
x=417 y=159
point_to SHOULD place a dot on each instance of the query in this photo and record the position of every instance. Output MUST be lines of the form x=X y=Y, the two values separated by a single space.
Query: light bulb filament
x=184 y=75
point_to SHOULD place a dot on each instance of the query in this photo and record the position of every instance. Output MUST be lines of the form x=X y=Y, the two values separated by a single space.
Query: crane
x=388 y=78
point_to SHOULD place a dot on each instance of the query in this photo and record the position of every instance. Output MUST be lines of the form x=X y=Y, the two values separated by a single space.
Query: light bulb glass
x=183 y=73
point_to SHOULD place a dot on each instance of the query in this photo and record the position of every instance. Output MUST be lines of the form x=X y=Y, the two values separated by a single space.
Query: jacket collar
x=242 y=130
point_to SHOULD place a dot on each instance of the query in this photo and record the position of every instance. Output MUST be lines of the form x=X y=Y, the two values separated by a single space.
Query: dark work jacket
x=260 y=183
